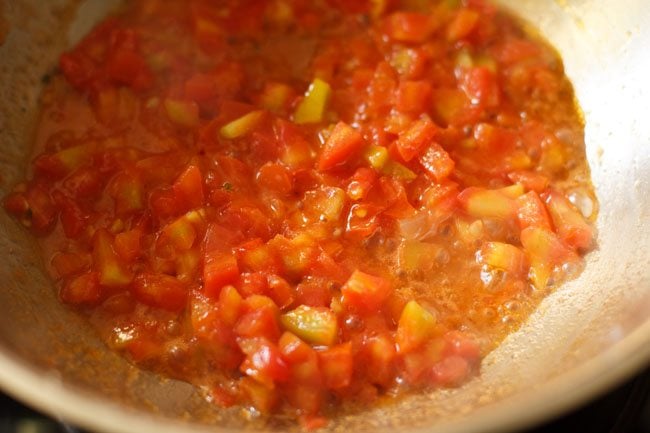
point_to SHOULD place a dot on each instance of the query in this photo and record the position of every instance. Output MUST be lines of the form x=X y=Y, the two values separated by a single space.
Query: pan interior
x=585 y=336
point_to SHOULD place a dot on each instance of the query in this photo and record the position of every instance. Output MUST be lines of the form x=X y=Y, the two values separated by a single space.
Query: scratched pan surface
x=584 y=338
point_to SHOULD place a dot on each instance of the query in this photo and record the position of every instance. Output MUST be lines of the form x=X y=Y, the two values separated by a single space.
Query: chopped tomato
x=569 y=222
x=336 y=365
x=364 y=291
x=161 y=291
x=343 y=143
x=418 y=136
x=188 y=188
x=409 y=27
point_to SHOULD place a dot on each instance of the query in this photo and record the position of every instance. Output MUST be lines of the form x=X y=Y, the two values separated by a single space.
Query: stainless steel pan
x=584 y=338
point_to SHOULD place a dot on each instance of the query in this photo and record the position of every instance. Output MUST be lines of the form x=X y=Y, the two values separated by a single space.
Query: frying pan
x=585 y=337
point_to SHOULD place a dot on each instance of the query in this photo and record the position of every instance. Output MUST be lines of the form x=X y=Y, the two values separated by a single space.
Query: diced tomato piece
x=409 y=62
x=188 y=188
x=201 y=88
x=67 y=264
x=408 y=27
x=451 y=371
x=343 y=143
x=545 y=251
x=569 y=223
x=263 y=362
x=494 y=139
x=263 y=398
x=294 y=349
x=275 y=177
x=261 y=322
x=127 y=244
x=381 y=353
x=219 y=268
x=85 y=182
x=312 y=108
x=480 y=86
x=336 y=365
x=440 y=195
x=82 y=290
x=182 y=113
x=416 y=256
x=530 y=180
x=414 y=97
x=73 y=220
x=127 y=189
x=463 y=24
x=437 y=162
x=365 y=292
x=128 y=67
x=295 y=150
x=360 y=183
x=419 y=135
x=503 y=256
x=531 y=212
x=34 y=208
x=113 y=272
x=463 y=345
x=280 y=291
x=416 y=325
x=484 y=203
x=276 y=96
x=315 y=325
x=418 y=364
x=230 y=305
x=159 y=290
x=243 y=126
x=313 y=292
x=382 y=90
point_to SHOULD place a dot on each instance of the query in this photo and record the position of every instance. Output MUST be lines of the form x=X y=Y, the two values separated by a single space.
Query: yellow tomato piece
x=416 y=255
x=416 y=325
x=182 y=113
x=376 y=156
x=503 y=256
x=112 y=272
x=242 y=126
x=316 y=325
x=312 y=107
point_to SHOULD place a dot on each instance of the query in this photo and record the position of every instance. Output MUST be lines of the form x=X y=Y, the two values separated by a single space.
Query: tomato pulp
x=301 y=206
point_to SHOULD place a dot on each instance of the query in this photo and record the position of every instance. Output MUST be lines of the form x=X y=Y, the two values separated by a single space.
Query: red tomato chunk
x=293 y=222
